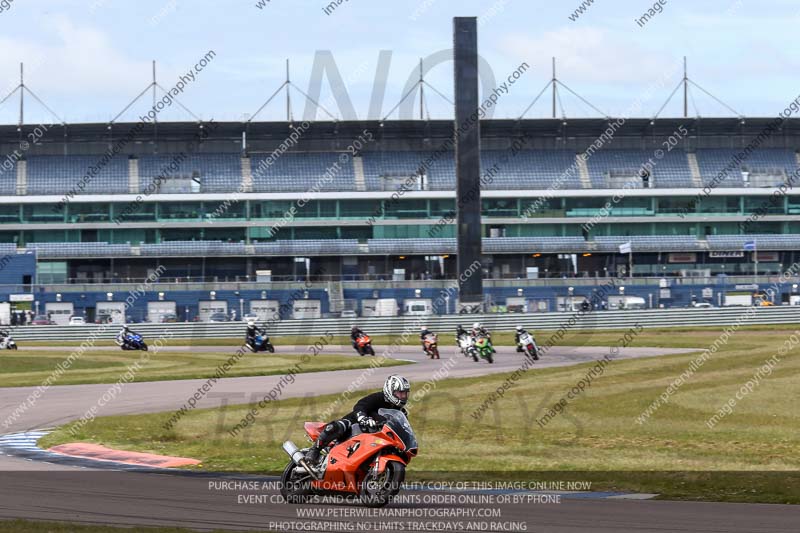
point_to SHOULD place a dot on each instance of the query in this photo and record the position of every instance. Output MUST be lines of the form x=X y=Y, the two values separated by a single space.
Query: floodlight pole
x=421 y=89
x=155 y=84
x=21 y=95
x=685 y=90
x=288 y=94
x=554 y=81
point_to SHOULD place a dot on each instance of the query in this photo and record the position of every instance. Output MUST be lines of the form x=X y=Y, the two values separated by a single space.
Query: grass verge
x=752 y=455
x=29 y=367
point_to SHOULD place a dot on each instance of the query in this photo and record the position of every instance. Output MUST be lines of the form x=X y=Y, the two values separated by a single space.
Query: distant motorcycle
x=7 y=343
x=431 y=344
x=260 y=343
x=132 y=341
x=484 y=347
x=528 y=345
x=364 y=345
x=467 y=346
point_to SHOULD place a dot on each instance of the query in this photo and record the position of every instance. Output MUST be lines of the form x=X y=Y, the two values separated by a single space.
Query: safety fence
x=647 y=318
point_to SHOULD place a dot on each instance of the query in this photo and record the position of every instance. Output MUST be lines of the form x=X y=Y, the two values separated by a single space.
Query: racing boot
x=312 y=455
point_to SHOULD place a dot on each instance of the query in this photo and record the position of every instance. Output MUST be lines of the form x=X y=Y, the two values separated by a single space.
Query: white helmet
x=251 y=322
x=476 y=325
x=395 y=390
x=519 y=328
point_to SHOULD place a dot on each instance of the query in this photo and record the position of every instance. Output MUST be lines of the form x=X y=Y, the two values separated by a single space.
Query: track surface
x=38 y=490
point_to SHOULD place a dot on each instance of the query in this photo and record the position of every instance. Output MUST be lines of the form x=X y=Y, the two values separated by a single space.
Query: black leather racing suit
x=252 y=332
x=354 y=334
x=367 y=406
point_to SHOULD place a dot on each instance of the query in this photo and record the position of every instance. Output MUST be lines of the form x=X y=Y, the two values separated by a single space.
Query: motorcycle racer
x=365 y=413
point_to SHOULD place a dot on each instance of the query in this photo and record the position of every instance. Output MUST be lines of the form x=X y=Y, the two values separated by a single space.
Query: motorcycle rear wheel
x=379 y=491
x=295 y=488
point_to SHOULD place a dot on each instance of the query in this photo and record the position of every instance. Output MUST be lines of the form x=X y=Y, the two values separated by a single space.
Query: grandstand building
x=366 y=209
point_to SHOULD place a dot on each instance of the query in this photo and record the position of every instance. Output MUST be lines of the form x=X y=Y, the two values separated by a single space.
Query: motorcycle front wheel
x=270 y=348
x=370 y=350
x=378 y=491
x=144 y=347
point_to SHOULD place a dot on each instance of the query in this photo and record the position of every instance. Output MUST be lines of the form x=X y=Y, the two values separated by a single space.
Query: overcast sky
x=87 y=59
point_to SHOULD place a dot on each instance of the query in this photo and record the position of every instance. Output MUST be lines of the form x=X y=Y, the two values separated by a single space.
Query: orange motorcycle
x=371 y=466
x=364 y=345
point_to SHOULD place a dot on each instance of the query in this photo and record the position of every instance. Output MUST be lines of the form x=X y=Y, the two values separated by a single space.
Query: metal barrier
x=409 y=325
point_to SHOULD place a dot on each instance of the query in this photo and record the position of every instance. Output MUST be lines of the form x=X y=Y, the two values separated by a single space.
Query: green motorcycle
x=484 y=347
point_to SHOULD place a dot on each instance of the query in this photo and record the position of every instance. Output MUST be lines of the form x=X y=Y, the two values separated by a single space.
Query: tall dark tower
x=467 y=133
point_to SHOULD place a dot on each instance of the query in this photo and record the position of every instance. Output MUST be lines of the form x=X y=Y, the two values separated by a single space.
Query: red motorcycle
x=371 y=466
x=431 y=343
x=364 y=345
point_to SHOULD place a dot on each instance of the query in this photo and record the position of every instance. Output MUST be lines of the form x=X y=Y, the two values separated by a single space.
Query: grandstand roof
x=399 y=129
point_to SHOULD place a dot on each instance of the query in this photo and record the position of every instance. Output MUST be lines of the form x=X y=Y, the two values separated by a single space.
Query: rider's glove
x=367 y=422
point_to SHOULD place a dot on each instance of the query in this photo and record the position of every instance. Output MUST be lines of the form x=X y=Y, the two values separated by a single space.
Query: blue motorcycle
x=261 y=344
x=133 y=341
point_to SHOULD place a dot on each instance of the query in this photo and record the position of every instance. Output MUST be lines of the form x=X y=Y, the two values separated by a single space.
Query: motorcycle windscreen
x=401 y=426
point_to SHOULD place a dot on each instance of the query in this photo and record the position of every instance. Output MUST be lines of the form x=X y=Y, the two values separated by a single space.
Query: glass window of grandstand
x=793 y=205
x=51 y=272
x=719 y=205
x=674 y=205
x=41 y=213
x=541 y=207
x=327 y=208
x=632 y=207
x=625 y=230
x=536 y=230
x=80 y=212
x=406 y=209
x=134 y=211
x=271 y=209
x=224 y=209
x=719 y=228
x=359 y=233
x=584 y=207
x=309 y=209
x=772 y=228
x=9 y=213
x=763 y=204
x=316 y=233
x=180 y=210
x=411 y=231
x=52 y=235
x=9 y=236
x=500 y=207
x=360 y=208
x=180 y=234
x=224 y=234
x=127 y=235
x=441 y=207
